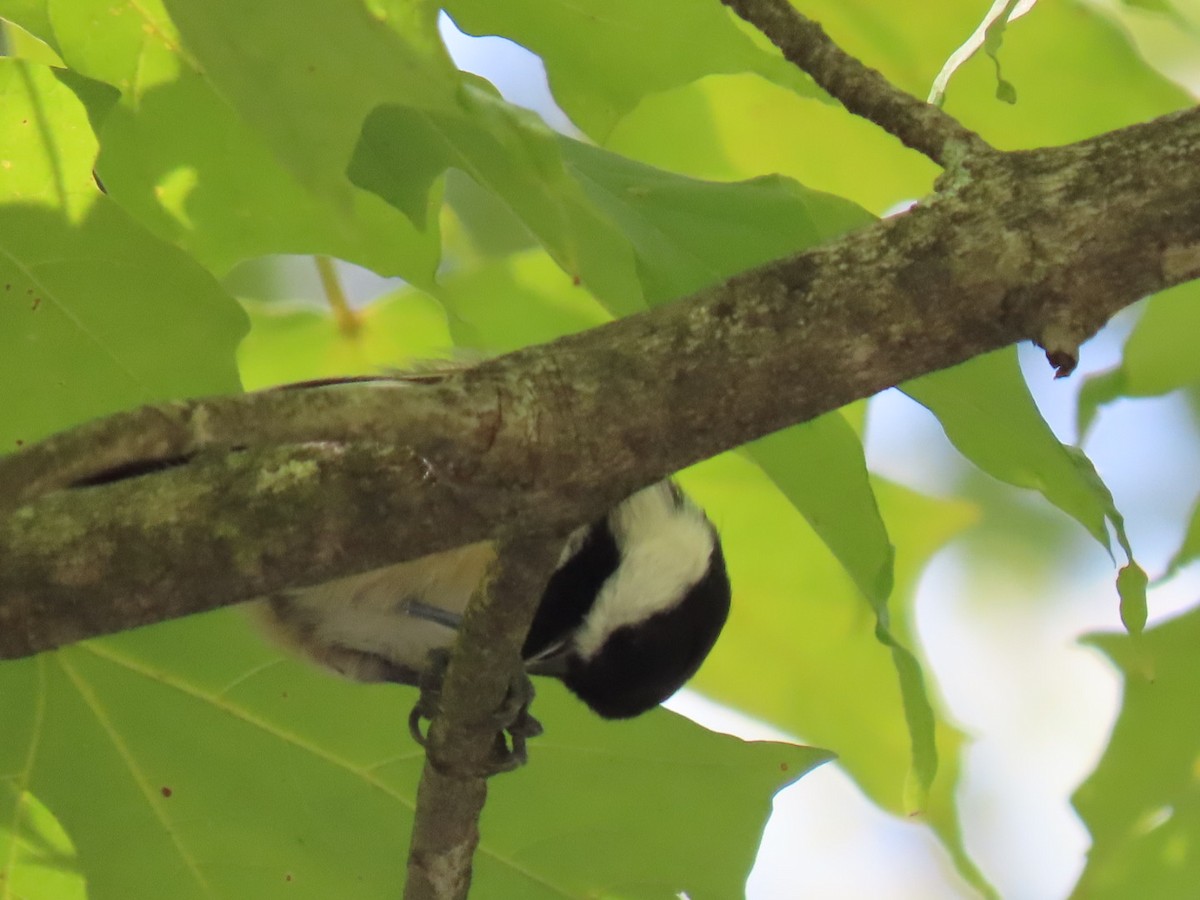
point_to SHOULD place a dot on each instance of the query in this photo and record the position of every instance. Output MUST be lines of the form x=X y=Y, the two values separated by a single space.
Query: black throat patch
x=572 y=589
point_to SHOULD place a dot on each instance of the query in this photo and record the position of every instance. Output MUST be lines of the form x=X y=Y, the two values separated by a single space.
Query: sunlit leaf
x=522 y=300
x=1078 y=75
x=687 y=234
x=237 y=173
x=739 y=126
x=820 y=467
x=1142 y=803
x=308 y=86
x=224 y=766
x=1159 y=356
x=986 y=409
x=603 y=56
x=1189 y=550
x=511 y=153
x=801 y=649
x=292 y=343
x=31 y=19
x=96 y=314
x=630 y=233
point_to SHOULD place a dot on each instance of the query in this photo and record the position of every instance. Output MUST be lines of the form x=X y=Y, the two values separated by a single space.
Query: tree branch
x=861 y=89
x=487 y=656
x=1043 y=245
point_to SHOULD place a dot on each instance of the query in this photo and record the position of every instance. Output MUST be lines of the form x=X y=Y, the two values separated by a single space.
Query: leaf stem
x=348 y=321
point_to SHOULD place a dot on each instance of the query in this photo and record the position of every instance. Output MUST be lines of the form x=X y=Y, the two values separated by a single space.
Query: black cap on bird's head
x=635 y=606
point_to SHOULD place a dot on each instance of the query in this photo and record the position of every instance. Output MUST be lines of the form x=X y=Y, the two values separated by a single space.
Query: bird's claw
x=512 y=718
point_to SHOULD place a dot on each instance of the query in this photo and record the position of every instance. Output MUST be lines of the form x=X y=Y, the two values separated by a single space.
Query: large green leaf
x=1189 y=548
x=801 y=649
x=307 y=73
x=190 y=755
x=99 y=315
x=820 y=467
x=733 y=127
x=1142 y=803
x=512 y=153
x=630 y=233
x=522 y=300
x=250 y=170
x=32 y=16
x=603 y=56
x=687 y=234
x=989 y=415
x=1159 y=355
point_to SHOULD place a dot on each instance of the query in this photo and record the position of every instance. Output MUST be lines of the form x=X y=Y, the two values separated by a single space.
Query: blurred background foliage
x=196 y=195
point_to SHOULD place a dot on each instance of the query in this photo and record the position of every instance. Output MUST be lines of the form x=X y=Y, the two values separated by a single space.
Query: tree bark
x=1040 y=245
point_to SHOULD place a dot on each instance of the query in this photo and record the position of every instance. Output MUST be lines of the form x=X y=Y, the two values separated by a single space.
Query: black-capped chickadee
x=631 y=611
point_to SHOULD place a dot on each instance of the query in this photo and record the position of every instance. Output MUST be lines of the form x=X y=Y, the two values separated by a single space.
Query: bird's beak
x=550 y=660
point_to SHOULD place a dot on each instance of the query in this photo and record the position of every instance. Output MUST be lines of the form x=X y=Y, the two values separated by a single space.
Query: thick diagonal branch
x=1043 y=245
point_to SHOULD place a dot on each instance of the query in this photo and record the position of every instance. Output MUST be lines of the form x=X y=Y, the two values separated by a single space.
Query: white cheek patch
x=665 y=550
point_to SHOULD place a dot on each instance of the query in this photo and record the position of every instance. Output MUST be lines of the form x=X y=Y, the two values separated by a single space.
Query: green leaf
x=821 y=469
x=801 y=648
x=290 y=343
x=687 y=234
x=988 y=414
x=183 y=163
x=307 y=87
x=512 y=153
x=603 y=56
x=32 y=16
x=193 y=168
x=631 y=233
x=1142 y=803
x=1096 y=391
x=237 y=774
x=95 y=313
x=732 y=127
x=1159 y=355
x=1162 y=6
x=1189 y=550
x=1131 y=580
x=515 y=302
x=1131 y=585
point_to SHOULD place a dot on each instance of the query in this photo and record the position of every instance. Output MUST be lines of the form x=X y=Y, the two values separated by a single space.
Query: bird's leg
x=512 y=718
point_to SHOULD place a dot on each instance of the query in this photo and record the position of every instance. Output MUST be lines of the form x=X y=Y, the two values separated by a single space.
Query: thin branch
x=1043 y=245
x=861 y=89
x=487 y=657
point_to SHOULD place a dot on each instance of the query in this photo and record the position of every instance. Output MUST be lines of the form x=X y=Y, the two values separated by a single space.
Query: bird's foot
x=513 y=722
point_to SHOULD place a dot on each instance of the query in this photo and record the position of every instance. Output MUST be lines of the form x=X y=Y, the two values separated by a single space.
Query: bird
x=633 y=607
